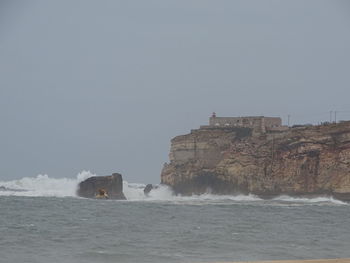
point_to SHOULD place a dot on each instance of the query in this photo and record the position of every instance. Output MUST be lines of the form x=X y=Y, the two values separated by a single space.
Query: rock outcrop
x=299 y=161
x=148 y=189
x=111 y=186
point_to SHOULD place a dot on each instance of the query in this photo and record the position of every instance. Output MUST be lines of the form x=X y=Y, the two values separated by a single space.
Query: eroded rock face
x=300 y=161
x=111 y=185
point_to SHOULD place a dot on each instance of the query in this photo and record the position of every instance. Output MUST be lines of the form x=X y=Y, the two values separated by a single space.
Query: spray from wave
x=44 y=186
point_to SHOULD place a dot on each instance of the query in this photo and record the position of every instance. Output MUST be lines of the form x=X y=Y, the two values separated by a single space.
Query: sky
x=104 y=85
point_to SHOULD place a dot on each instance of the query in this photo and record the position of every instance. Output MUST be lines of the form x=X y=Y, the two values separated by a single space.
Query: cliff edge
x=313 y=160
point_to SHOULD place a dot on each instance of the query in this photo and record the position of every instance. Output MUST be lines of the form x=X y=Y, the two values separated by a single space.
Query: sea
x=42 y=220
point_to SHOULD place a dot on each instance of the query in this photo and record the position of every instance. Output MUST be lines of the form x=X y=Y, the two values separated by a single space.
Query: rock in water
x=148 y=189
x=111 y=185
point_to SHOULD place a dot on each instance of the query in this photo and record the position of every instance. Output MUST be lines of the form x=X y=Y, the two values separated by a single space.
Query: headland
x=258 y=155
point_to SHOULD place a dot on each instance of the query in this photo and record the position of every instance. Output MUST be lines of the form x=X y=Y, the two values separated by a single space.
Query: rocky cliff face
x=300 y=161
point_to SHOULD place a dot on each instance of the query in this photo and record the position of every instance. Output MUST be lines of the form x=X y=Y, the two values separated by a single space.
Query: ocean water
x=41 y=220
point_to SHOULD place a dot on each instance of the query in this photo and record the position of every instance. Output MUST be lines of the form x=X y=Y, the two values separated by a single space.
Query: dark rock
x=148 y=189
x=208 y=183
x=111 y=186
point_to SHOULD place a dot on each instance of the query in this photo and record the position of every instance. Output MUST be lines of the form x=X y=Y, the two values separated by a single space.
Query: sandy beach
x=339 y=260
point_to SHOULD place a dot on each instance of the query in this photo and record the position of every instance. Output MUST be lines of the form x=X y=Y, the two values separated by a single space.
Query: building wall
x=272 y=122
x=258 y=123
x=235 y=121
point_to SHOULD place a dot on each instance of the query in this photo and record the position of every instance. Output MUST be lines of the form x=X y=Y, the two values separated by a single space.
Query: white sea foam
x=134 y=192
x=43 y=185
x=321 y=199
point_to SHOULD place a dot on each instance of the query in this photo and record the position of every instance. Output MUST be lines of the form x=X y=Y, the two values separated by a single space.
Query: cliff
x=299 y=161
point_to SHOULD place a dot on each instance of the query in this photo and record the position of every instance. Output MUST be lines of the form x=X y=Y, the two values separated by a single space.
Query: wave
x=45 y=186
x=320 y=199
x=134 y=192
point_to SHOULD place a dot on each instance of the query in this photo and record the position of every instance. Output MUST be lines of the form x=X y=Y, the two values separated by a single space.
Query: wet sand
x=340 y=260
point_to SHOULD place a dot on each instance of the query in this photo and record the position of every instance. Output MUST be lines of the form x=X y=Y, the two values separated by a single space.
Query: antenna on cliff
x=335 y=116
x=330 y=116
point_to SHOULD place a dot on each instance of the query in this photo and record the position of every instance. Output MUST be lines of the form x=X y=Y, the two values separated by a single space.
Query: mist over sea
x=42 y=220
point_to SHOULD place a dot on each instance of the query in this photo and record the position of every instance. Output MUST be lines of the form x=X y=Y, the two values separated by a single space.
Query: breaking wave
x=45 y=186
x=321 y=199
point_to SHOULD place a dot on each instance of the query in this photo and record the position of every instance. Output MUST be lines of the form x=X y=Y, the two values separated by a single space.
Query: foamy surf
x=321 y=199
x=45 y=186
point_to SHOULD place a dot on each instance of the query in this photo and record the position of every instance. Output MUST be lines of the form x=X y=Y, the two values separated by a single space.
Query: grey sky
x=105 y=85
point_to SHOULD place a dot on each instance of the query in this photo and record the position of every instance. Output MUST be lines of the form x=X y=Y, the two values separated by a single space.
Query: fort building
x=259 y=124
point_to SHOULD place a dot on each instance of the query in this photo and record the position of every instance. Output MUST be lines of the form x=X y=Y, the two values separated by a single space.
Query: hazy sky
x=104 y=85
